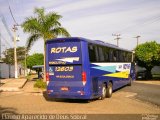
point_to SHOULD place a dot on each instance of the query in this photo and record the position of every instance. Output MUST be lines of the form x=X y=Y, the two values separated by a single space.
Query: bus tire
x=130 y=81
x=104 y=92
x=109 y=90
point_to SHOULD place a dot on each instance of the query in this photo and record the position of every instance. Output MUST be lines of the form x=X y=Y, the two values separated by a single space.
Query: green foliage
x=148 y=54
x=9 y=55
x=35 y=59
x=40 y=84
x=41 y=25
x=45 y=26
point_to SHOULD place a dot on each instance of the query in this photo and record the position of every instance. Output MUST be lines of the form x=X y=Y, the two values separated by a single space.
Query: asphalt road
x=145 y=92
x=137 y=99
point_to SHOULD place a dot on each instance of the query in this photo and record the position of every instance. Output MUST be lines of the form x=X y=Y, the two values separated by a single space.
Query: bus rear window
x=64 y=53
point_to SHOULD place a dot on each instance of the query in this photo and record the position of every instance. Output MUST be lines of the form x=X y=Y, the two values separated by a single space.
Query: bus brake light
x=84 y=78
x=47 y=76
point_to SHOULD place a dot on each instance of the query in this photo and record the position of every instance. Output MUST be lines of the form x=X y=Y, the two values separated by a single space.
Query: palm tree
x=45 y=26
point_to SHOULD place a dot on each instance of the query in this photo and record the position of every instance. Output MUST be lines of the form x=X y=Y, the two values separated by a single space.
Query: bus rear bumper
x=70 y=95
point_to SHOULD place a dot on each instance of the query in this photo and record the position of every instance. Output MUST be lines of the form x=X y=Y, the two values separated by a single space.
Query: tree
x=9 y=55
x=45 y=26
x=35 y=59
x=148 y=55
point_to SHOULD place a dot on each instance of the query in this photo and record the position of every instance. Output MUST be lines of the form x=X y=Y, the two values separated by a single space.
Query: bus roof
x=97 y=42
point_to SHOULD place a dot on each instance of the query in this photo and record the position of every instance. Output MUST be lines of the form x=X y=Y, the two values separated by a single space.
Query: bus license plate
x=64 y=88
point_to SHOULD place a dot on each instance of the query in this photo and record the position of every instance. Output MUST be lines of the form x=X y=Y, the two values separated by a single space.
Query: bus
x=79 y=68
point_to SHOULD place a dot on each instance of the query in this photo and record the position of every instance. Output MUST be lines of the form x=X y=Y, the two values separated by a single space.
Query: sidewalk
x=149 y=82
x=12 y=84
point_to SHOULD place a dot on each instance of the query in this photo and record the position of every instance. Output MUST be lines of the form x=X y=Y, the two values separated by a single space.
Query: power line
x=6 y=26
x=5 y=41
x=153 y=20
x=7 y=29
x=12 y=15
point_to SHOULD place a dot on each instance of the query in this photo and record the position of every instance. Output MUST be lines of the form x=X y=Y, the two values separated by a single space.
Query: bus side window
x=124 y=56
x=129 y=57
x=97 y=54
x=120 y=56
x=92 y=53
x=111 y=55
x=117 y=56
x=114 y=56
x=106 y=54
x=101 y=54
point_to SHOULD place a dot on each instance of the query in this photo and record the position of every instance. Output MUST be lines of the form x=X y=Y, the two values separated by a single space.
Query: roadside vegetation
x=147 y=56
x=40 y=84
x=43 y=25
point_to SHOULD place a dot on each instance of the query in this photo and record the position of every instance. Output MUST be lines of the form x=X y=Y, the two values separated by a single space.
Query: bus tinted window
x=106 y=54
x=101 y=54
x=115 y=56
x=92 y=53
x=110 y=55
x=129 y=57
x=96 y=54
x=121 y=56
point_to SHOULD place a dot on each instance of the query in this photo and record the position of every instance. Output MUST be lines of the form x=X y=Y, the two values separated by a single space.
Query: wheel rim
x=110 y=90
x=104 y=91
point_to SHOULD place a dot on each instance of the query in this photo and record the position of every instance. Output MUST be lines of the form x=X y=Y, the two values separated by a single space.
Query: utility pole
x=117 y=38
x=15 y=51
x=25 y=68
x=138 y=36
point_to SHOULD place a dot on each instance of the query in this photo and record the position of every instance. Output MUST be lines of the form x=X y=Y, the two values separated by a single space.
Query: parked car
x=142 y=74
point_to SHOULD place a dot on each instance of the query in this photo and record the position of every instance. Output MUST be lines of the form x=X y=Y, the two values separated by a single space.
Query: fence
x=6 y=70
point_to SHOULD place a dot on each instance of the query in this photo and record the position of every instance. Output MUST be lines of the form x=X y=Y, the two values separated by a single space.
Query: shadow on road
x=66 y=100
x=4 y=111
x=73 y=100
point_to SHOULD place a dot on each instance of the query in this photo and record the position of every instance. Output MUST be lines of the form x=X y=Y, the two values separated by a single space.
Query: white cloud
x=81 y=4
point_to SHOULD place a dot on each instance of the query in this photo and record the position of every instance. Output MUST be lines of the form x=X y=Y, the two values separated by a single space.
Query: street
x=138 y=99
x=146 y=92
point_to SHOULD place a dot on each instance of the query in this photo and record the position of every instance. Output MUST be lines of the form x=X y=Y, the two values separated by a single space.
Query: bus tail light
x=84 y=79
x=47 y=78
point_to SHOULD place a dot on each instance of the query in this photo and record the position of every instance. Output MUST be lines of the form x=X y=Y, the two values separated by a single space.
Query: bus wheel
x=104 y=91
x=130 y=81
x=109 y=90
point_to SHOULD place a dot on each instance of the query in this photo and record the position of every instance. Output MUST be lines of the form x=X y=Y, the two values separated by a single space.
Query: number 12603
x=61 y=69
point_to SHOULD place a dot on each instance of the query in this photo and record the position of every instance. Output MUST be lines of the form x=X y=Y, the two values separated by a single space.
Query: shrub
x=40 y=84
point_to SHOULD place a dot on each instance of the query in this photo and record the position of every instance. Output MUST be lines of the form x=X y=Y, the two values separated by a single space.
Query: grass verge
x=40 y=84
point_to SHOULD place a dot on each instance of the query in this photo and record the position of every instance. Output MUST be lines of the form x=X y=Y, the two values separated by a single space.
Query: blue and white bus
x=78 y=68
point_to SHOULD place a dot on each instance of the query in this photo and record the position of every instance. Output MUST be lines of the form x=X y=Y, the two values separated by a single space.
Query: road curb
x=13 y=85
x=23 y=84
x=149 y=82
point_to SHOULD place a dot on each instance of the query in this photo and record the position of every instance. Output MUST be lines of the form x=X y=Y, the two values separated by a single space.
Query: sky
x=92 y=19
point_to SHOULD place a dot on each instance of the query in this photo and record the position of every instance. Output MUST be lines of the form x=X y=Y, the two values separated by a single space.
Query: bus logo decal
x=107 y=68
x=64 y=49
x=69 y=59
x=51 y=71
x=120 y=70
x=123 y=74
